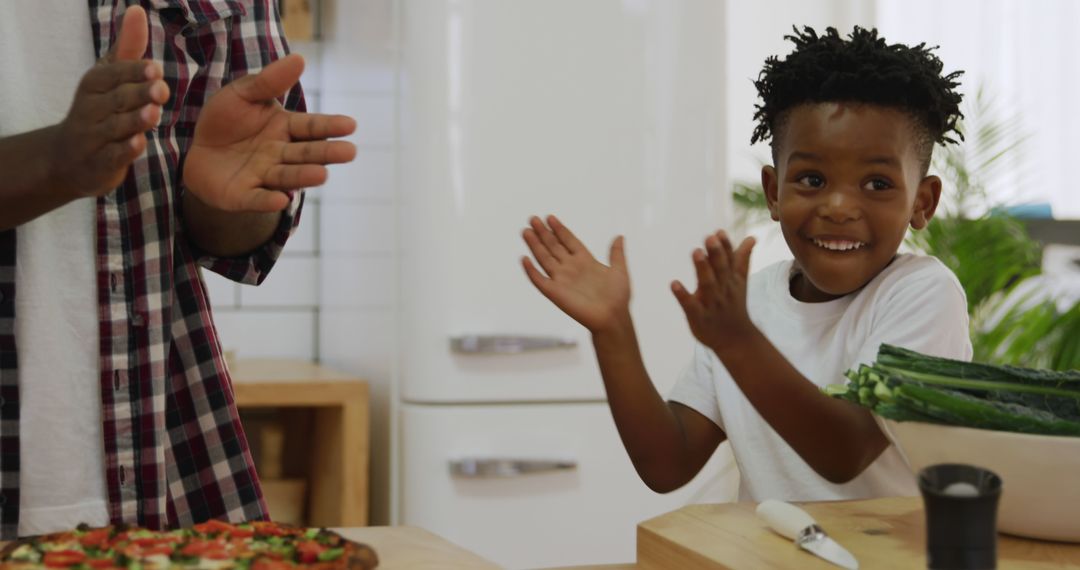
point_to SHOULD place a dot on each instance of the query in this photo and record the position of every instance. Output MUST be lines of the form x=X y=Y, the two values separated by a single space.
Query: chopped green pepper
x=331 y=554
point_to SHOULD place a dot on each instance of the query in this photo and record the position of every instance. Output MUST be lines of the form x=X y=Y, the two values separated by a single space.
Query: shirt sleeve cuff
x=253 y=267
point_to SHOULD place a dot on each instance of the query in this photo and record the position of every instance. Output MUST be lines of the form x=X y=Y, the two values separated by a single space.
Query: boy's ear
x=770 y=183
x=926 y=202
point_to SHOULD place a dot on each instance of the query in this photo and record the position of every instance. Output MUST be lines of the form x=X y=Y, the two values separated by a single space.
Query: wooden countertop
x=285 y=382
x=283 y=370
x=405 y=547
x=881 y=533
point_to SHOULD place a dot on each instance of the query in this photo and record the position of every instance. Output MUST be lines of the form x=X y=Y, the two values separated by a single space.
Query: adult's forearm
x=226 y=234
x=649 y=430
x=836 y=438
x=28 y=184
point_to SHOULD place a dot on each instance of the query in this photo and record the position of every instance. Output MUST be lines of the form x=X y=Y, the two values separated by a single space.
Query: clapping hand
x=248 y=151
x=116 y=102
x=716 y=310
x=593 y=294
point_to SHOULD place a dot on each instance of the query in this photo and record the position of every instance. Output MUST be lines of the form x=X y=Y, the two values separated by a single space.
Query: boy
x=115 y=402
x=853 y=122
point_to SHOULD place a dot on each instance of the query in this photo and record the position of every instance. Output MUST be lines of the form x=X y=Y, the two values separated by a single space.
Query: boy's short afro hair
x=860 y=69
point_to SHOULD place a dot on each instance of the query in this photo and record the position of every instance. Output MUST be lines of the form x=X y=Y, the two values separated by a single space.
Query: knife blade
x=796 y=524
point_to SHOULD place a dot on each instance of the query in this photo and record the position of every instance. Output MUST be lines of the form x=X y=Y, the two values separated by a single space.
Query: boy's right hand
x=593 y=294
x=116 y=102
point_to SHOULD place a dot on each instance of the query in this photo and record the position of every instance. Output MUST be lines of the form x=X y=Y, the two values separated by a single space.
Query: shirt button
x=138 y=320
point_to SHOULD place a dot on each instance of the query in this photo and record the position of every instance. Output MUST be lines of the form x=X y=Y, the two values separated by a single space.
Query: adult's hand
x=248 y=151
x=116 y=101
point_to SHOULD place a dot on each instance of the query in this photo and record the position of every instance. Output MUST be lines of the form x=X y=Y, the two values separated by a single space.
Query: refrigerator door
x=535 y=485
x=608 y=113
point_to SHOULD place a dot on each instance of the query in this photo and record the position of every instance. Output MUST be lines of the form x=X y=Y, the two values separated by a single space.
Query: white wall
x=357 y=327
x=1023 y=53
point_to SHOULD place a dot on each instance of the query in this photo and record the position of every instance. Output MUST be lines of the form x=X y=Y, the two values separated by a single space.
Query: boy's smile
x=848 y=181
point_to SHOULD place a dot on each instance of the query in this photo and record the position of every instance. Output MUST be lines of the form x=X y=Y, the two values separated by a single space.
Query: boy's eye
x=878 y=184
x=812 y=180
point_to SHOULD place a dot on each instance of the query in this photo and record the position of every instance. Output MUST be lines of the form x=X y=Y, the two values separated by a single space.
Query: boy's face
x=846 y=185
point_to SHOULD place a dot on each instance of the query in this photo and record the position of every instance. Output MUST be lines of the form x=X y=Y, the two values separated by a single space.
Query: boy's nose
x=839 y=206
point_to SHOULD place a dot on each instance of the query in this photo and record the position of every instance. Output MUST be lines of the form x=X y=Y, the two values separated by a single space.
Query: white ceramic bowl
x=1040 y=474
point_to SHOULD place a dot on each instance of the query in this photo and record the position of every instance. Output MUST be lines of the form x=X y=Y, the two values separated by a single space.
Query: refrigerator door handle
x=477 y=468
x=506 y=344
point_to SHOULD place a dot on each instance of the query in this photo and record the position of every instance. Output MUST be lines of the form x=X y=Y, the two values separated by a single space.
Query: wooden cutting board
x=881 y=533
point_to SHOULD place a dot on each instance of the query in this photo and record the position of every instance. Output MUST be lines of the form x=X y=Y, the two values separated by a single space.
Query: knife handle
x=784 y=518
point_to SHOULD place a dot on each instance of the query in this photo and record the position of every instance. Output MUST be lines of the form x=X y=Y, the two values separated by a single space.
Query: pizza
x=213 y=545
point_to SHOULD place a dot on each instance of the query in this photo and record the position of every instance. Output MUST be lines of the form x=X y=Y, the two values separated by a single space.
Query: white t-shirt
x=46 y=47
x=916 y=302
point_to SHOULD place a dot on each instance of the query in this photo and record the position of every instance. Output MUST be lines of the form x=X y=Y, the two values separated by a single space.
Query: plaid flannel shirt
x=175 y=452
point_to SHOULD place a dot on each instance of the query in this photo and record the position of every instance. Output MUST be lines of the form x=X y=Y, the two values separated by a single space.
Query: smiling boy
x=852 y=123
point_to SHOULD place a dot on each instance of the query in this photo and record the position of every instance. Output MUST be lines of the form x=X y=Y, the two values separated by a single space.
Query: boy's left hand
x=716 y=311
x=248 y=150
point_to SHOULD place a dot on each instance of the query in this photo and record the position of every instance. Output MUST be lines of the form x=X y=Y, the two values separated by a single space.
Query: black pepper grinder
x=961 y=516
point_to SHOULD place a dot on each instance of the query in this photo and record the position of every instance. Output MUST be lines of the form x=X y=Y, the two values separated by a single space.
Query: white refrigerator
x=610 y=114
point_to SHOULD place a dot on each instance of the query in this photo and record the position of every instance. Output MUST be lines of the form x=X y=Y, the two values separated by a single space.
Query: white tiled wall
x=278 y=333
x=279 y=318
x=332 y=296
x=293 y=284
x=360 y=225
x=357 y=326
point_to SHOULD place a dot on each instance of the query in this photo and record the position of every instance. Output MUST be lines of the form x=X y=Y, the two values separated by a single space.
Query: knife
x=792 y=522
